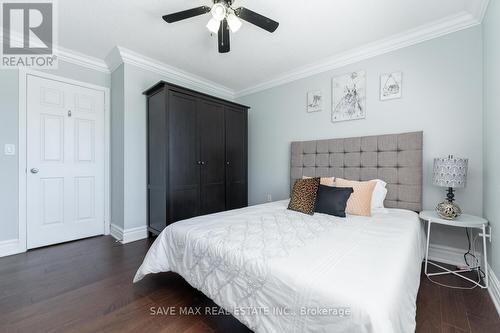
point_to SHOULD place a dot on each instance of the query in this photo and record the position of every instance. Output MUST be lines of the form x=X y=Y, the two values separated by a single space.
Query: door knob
x=34 y=170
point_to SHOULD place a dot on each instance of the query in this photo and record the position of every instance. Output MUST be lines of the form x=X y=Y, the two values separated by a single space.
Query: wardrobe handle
x=198 y=162
x=227 y=163
x=202 y=163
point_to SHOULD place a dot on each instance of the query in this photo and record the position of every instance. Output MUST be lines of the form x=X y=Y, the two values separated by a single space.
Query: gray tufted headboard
x=395 y=158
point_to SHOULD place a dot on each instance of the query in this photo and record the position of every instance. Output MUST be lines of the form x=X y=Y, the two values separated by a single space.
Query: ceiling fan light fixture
x=213 y=26
x=234 y=23
x=225 y=19
x=219 y=11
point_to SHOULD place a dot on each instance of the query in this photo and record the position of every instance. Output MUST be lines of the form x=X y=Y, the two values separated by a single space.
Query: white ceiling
x=309 y=32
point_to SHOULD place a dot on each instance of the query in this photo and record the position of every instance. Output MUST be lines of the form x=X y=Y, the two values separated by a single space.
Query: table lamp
x=450 y=172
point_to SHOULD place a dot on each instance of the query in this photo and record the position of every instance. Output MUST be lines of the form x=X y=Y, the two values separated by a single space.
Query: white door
x=65 y=162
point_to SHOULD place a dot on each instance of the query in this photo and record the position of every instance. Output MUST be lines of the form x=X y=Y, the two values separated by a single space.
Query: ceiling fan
x=225 y=18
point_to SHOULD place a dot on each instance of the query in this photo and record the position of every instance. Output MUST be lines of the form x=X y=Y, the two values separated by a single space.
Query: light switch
x=9 y=149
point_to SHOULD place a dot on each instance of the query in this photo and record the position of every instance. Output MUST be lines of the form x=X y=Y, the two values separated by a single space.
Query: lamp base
x=448 y=210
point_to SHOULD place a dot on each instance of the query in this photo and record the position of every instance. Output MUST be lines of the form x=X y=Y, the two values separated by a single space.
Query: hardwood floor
x=85 y=286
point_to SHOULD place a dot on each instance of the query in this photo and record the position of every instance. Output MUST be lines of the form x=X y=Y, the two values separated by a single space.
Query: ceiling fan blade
x=224 y=46
x=257 y=19
x=185 y=14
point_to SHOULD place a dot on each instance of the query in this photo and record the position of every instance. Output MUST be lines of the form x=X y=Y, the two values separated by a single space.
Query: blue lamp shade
x=450 y=172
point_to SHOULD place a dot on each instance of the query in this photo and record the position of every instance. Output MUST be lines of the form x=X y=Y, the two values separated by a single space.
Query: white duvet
x=280 y=271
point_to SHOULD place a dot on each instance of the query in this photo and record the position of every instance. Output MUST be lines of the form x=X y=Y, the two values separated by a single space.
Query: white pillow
x=379 y=194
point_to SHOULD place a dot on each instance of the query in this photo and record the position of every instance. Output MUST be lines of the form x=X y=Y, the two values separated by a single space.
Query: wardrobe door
x=236 y=158
x=157 y=162
x=211 y=132
x=184 y=175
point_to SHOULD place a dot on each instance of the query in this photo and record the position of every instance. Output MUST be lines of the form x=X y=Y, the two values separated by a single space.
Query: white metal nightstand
x=464 y=221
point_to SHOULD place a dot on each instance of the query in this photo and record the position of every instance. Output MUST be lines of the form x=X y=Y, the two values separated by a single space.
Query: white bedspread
x=280 y=271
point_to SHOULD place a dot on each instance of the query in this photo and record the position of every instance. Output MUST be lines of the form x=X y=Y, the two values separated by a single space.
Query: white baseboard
x=116 y=232
x=455 y=256
x=128 y=235
x=10 y=247
x=494 y=289
x=448 y=255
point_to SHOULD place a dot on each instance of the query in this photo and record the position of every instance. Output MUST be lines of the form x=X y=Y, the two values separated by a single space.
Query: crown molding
x=477 y=8
x=114 y=59
x=82 y=60
x=120 y=55
x=473 y=15
x=482 y=11
x=70 y=56
x=418 y=35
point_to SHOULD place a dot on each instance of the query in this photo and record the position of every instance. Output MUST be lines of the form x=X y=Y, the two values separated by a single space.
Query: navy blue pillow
x=332 y=200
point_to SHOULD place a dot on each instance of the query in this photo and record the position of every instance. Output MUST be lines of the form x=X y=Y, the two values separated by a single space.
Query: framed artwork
x=314 y=101
x=391 y=86
x=349 y=96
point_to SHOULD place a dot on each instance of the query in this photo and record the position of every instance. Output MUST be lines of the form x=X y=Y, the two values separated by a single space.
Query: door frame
x=22 y=145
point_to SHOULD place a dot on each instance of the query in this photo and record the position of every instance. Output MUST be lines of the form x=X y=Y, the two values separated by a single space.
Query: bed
x=277 y=270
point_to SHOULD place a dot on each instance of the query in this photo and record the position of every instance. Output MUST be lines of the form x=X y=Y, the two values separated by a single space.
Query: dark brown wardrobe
x=197 y=155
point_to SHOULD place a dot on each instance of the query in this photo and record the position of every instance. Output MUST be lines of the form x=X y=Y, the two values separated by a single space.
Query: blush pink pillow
x=360 y=202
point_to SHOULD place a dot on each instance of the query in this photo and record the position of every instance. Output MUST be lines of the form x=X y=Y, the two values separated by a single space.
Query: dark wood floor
x=85 y=286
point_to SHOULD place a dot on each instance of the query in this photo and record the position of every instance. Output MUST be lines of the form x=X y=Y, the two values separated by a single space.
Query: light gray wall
x=116 y=146
x=79 y=73
x=131 y=83
x=9 y=124
x=491 y=28
x=8 y=164
x=135 y=144
x=442 y=95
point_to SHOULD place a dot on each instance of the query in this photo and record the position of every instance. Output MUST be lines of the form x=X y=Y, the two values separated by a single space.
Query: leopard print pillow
x=303 y=198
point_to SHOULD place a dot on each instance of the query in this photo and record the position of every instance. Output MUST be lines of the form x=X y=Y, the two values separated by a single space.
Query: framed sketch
x=391 y=86
x=314 y=101
x=349 y=96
